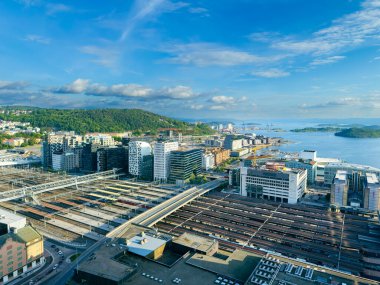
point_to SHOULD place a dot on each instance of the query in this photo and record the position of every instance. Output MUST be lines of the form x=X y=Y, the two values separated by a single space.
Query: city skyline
x=198 y=59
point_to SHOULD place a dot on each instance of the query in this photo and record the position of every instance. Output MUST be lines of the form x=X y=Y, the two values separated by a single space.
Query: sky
x=240 y=59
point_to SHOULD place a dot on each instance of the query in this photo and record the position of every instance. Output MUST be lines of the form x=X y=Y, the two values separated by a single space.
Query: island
x=314 y=130
x=366 y=132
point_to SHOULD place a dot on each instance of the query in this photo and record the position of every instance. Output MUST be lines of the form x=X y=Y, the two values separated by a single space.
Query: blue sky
x=240 y=59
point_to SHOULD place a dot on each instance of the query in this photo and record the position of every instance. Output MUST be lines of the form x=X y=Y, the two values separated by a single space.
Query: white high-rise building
x=372 y=193
x=208 y=161
x=286 y=185
x=339 y=189
x=137 y=150
x=161 y=153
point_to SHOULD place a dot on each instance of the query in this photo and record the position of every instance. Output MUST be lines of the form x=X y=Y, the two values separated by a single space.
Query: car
x=53 y=246
x=56 y=249
x=156 y=279
x=143 y=274
x=60 y=252
x=60 y=262
x=55 y=266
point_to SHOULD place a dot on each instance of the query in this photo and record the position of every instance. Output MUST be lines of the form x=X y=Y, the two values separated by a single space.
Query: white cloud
x=346 y=32
x=83 y=86
x=327 y=60
x=145 y=10
x=104 y=56
x=199 y=10
x=13 y=85
x=196 y=107
x=77 y=86
x=37 y=39
x=29 y=3
x=52 y=9
x=206 y=54
x=271 y=73
x=217 y=107
x=223 y=99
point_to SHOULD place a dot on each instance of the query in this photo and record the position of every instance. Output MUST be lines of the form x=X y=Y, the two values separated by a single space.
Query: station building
x=21 y=246
x=283 y=185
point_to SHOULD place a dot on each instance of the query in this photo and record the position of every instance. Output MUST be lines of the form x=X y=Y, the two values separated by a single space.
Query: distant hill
x=365 y=132
x=314 y=130
x=103 y=120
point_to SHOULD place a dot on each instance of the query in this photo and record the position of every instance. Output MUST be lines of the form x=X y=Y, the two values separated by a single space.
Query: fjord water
x=354 y=150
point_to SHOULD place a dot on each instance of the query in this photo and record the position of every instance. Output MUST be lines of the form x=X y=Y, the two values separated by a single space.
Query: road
x=154 y=213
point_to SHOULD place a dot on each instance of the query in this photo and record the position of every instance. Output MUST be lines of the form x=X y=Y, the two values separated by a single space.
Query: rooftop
x=341 y=175
x=28 y=234
x=354 y=166
x=7 y=217
x=196 y=242
x=372 y=178
x=102 y=264
x=144 y=244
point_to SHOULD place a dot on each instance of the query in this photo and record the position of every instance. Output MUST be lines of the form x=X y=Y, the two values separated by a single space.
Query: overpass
x=164 y=209
x=41 y=188
x=148 y=218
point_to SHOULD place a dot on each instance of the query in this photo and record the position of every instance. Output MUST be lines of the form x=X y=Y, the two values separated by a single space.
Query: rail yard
x=311 y=234
x=80 y=214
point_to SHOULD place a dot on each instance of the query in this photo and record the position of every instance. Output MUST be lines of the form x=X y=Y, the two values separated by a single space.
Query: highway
x=147 y=218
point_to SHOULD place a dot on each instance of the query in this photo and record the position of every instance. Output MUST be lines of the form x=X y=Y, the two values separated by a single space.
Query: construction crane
x=255 y=149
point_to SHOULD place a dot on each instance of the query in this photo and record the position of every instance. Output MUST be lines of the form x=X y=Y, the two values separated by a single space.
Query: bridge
x=146 y=219
x=41 y=188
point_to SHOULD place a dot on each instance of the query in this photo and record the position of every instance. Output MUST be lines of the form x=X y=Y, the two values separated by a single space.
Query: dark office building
x=89 y=157
x=147 y=168
x=183 y=164
x=112 y=157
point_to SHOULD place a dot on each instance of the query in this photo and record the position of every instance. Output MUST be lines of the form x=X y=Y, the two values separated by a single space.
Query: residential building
x=21 y=247
x=58 y=142
x=331 y=169
x=112 y=157
x=147 y=168
x=184 y=163
x=287 y=185
x=64 y=161
x=239 y=152
x=208 y=161
x=372 y=193
x=308 y=155
x=100 y=139
x=309 y=165
x=161 y=153
x=234 y=177
x=137 y=150
x=89 y=157
x=220 y=154
x=233 y=142
x=339 y=189
x=214 y=142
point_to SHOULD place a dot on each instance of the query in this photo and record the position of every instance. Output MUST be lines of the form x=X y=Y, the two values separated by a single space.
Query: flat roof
x=7 y=217
x=101 y=264
x=372 y=178
x=28 y=234
x=196 y=242
x=144 y=244
x=341 y=175
x=354 y=166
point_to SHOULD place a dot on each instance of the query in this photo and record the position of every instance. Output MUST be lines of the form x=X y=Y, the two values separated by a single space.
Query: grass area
x=74 y=256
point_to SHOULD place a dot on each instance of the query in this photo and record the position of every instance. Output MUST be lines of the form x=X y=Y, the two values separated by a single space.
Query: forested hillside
x=104 y=120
